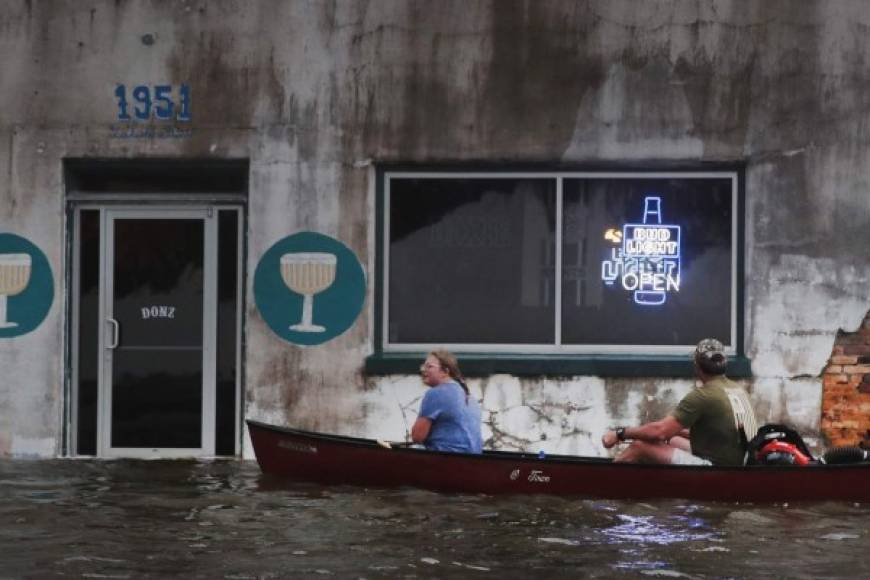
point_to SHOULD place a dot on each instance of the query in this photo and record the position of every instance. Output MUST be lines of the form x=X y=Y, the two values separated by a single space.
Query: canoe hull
x=329 y=459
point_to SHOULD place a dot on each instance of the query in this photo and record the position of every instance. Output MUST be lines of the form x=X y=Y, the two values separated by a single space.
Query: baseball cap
x=710 y=356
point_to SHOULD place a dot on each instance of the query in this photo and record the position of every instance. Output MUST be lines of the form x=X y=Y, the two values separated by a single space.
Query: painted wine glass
x=308 y=273
x=14 y=278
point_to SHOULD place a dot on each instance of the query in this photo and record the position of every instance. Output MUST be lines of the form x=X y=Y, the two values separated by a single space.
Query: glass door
x=157 y=335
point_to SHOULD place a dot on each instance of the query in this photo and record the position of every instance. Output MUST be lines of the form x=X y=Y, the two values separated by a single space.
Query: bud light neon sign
x=647 y=263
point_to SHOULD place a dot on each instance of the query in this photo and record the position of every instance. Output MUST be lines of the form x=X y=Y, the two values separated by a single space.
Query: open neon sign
x=648 y=261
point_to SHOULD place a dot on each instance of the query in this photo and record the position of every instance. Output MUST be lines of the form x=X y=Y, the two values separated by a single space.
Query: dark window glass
x=646 y=261
x=228 y=256
x=471 y=260
x=158 y=302
x=88 y=349
x=157 y=398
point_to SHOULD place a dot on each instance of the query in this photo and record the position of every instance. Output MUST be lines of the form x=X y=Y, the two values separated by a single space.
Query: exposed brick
x=846 y=388
x=829 y=381
x=857 y=349
x=844 y=441
x=838 y=391
x=850 y=415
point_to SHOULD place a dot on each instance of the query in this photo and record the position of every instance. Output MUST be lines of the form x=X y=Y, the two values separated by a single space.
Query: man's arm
x=655 y=432
x=420 y=429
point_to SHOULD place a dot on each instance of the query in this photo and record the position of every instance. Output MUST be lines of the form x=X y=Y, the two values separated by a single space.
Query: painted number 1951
x=154 y=101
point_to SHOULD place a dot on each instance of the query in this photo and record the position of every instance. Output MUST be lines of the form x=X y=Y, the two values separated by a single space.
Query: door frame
x=163 y=208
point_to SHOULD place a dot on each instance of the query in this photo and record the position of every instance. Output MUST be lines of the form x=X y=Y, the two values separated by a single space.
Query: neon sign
x=648 y=261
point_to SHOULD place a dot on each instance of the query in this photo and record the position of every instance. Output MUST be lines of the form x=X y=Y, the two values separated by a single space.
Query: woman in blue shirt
x=449 y=417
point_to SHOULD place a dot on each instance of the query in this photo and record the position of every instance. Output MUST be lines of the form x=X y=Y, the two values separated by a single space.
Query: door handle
x=116 y=333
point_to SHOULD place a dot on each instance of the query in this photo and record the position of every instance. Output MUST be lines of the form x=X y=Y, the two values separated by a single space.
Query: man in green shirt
x=704 y=429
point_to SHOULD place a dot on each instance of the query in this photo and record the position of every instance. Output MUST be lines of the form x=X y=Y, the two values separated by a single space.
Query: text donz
x=158 y=312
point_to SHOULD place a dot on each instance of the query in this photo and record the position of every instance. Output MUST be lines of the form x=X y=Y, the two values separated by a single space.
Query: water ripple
x=225 y=519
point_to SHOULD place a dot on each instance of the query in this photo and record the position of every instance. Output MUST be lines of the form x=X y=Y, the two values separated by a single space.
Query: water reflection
x=128 y=519
x=651 y=530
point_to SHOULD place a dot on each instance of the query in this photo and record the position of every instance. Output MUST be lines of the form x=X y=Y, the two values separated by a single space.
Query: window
x=559 y=264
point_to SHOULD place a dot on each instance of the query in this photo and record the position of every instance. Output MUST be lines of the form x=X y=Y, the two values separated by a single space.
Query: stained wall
x=316 y=94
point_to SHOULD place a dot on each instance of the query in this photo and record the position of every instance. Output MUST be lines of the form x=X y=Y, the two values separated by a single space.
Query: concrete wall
x=315 y=92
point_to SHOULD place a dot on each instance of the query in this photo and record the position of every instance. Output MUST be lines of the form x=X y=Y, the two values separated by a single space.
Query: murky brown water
x=128 y=519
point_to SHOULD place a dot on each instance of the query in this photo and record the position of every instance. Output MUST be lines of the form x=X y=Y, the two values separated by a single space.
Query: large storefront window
x=559 y=263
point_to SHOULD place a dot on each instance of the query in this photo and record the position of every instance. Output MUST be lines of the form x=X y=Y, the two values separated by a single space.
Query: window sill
x=481 y=364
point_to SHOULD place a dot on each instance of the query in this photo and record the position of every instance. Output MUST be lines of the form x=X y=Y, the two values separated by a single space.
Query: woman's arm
x=420 y=429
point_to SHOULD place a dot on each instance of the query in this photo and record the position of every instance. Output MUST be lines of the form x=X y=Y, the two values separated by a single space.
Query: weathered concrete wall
x=313 y=92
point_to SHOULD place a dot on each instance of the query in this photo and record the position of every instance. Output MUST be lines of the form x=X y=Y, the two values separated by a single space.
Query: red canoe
x=332 y=459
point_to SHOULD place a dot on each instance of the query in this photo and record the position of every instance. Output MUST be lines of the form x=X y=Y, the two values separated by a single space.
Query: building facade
x=213 y=211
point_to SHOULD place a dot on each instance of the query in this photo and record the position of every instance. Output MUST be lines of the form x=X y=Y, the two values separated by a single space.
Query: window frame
x=556 y=358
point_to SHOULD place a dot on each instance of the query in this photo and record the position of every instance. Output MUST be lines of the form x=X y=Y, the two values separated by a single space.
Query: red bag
x=781 y=453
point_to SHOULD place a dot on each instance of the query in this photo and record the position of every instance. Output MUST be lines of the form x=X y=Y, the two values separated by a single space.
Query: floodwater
x=225 y=519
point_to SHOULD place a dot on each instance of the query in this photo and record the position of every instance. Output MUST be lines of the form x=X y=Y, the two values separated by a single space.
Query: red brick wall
x=846 y=389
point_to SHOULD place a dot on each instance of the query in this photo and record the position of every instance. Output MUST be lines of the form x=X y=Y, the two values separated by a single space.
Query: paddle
x=393 y=444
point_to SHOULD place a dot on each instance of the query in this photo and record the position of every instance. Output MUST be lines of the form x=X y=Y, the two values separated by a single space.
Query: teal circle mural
x=309 y=288
x=26 y=286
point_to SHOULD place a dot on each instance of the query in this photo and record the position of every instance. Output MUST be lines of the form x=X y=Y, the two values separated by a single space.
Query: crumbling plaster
x=315 y=92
